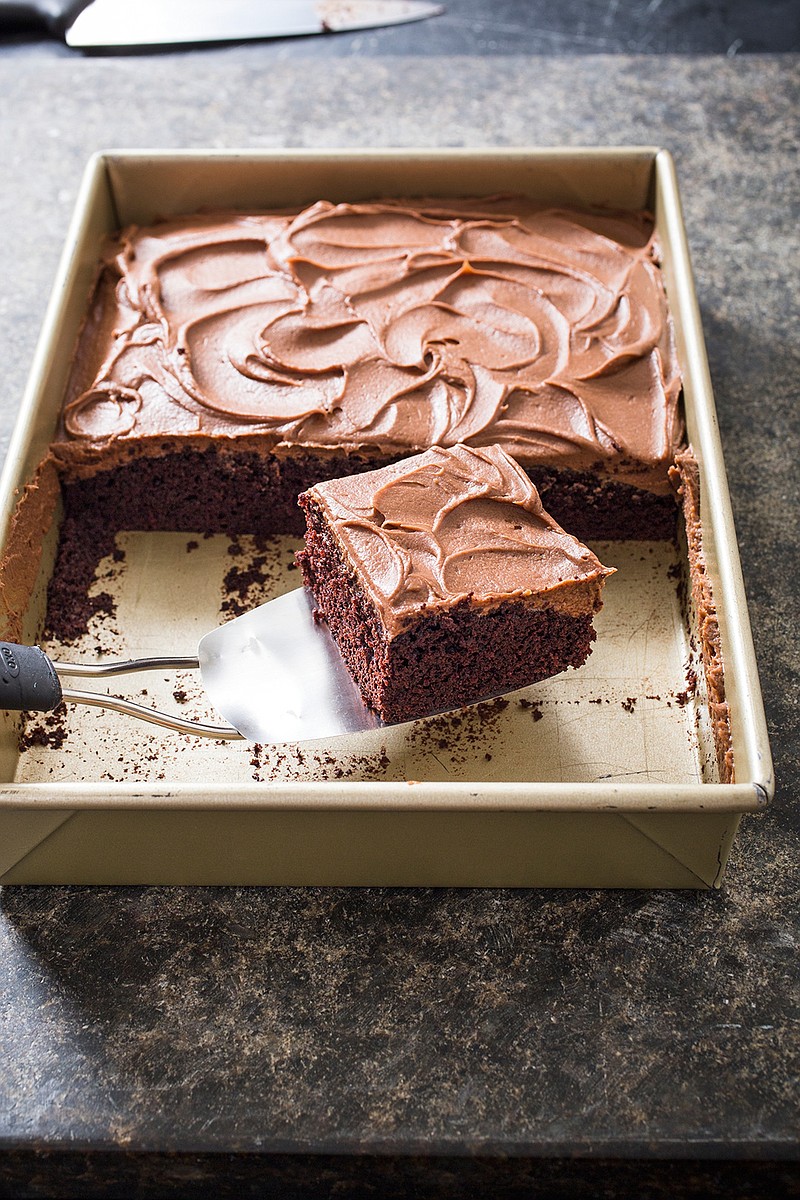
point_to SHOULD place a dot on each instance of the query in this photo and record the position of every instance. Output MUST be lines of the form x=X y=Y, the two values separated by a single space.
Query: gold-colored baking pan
x=607 y=776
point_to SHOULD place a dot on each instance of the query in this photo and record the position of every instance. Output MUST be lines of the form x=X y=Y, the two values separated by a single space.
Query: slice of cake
x=444 y=581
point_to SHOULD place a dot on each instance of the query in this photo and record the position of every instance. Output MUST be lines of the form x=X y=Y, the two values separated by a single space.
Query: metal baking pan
x=603 y=777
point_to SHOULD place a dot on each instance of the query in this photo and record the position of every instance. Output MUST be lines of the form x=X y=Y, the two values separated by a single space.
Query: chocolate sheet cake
x=256 y=355
x=443 y=580
x=229 y=362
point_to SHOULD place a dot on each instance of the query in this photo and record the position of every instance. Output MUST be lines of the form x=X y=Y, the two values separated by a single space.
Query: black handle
x=52 y=16
x=28 y=679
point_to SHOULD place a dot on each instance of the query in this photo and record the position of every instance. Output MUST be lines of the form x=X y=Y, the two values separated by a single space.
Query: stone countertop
x=481 y=27
x=320 y=1042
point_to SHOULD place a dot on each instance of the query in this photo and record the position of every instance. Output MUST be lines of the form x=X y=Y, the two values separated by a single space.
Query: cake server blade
x=275 y=673
x=117 y=23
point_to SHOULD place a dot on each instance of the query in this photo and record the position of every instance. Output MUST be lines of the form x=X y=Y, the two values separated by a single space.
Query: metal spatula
x=274 y=673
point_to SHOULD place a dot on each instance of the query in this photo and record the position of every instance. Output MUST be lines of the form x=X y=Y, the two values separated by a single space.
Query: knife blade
x=109 y=24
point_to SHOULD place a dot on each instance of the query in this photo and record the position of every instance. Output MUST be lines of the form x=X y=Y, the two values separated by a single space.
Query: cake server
x=274 y=673
x=109 y=24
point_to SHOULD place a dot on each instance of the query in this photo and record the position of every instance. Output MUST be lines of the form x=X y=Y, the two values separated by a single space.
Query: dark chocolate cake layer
x=244 y=492
x=210 y=491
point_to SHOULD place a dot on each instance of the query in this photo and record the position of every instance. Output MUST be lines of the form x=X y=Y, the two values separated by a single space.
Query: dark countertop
x=481 y=27
x=328 y=1042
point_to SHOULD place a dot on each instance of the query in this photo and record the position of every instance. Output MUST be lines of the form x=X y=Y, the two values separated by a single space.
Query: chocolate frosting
x=449 y=524
x=394 y=325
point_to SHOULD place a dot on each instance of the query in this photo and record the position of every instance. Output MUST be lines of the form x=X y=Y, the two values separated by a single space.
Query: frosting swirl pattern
x=396 y=325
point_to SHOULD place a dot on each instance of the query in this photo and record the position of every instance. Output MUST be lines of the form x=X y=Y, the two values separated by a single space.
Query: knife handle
x=51 y=16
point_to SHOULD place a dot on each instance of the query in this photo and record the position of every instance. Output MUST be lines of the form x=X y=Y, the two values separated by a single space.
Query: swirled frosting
x=453 y=523
x=394 y=325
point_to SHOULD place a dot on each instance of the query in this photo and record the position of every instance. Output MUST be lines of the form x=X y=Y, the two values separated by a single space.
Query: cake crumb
x=251 y=581
x=47 y=731
x=533 y=707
